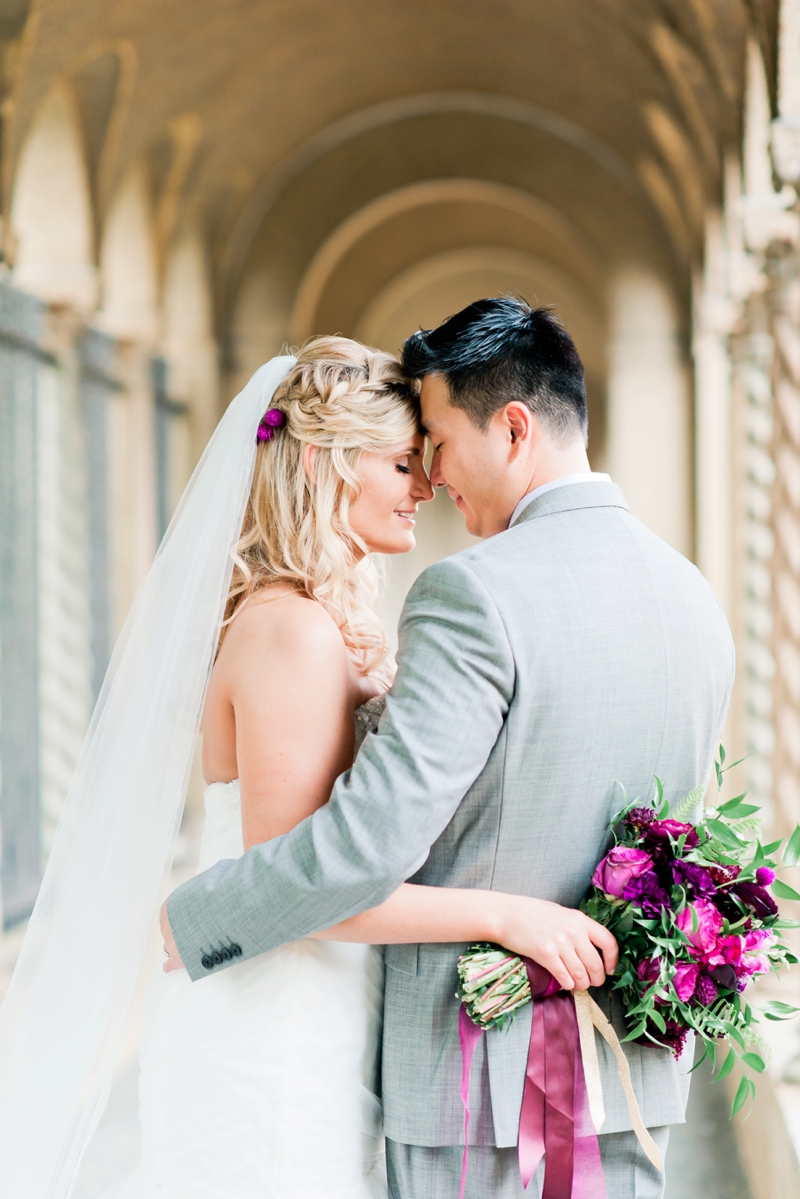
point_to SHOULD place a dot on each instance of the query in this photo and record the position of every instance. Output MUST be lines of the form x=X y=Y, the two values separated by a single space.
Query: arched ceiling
x=279 y=123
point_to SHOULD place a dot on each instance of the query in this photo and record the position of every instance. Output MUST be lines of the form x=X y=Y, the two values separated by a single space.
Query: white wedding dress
x=260 y=1082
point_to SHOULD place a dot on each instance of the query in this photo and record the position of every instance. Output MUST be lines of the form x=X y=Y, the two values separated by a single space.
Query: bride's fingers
x=593 y=963
x=577 y=971
x=606 y=942
x=561 y=974
x=558 y=969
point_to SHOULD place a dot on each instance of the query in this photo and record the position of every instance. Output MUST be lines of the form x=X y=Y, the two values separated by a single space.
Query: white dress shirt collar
x=593 y=477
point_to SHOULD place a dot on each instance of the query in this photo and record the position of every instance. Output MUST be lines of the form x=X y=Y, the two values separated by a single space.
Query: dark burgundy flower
x=724 y=874
x=706 y=991
x=674 y=1038
x=639 y=818
x=725 y=976
x=660 y=832
x=696 y=879
x=758 y=899
x=647 y=893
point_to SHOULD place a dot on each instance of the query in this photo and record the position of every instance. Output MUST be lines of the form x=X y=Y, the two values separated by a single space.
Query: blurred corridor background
x=186 y=187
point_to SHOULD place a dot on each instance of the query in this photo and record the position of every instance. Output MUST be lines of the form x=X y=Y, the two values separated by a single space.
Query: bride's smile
x=392 y=487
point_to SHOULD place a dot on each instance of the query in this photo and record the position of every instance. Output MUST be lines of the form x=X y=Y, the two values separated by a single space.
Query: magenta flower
x=765 y=876
x=659 y=833
x=685 y=980
x=709 y=923
x=618 y=867
x=753 y=964
x=759 y=939
x=754 y=960
x=270 y=421
x=726 y=952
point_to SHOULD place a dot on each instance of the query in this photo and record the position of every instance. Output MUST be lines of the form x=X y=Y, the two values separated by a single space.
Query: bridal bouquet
x=692 y=906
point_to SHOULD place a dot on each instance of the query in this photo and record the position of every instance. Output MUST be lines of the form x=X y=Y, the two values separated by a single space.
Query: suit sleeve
x=454 y=683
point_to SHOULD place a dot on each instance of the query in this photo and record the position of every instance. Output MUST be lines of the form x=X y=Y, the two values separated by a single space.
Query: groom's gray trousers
x=417 y=1172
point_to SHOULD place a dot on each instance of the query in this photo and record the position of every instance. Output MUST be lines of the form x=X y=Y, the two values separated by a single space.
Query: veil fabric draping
x=61 y=1022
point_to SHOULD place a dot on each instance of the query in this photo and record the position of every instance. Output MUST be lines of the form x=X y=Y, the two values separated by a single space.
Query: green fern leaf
x=688 y=808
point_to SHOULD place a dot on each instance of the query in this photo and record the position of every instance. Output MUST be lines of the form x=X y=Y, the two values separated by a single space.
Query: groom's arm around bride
x=535 y=670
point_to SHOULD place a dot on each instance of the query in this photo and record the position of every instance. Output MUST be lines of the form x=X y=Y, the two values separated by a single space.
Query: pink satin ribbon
x=555 y=1123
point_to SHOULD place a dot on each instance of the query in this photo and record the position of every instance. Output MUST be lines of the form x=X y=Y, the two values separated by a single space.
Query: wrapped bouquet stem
x=562 y=1105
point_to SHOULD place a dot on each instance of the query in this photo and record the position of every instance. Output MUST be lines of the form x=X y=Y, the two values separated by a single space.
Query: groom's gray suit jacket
x=537 y=671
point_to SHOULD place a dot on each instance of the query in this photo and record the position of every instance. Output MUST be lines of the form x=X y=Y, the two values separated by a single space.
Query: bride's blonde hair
x=343 y=398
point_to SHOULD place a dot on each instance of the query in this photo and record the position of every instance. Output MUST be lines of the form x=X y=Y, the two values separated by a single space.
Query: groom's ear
x=522 y=427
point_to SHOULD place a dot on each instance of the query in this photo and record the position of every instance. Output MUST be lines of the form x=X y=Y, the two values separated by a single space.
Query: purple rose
x=696 y=879
x=703 y=939
x=660 y=833
x=765 y=876
x=618 y=867
x=647 y=893
x=757 y=899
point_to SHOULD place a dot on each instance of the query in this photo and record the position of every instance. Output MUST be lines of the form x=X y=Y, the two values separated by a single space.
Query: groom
x=570 y=649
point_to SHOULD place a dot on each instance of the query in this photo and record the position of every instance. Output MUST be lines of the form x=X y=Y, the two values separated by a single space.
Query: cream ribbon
x=590 y=1017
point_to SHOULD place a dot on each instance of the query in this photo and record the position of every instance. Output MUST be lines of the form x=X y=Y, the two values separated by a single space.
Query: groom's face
x=471 y=463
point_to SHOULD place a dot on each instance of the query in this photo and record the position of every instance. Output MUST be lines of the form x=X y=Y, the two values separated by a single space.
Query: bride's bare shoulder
x=279 y=622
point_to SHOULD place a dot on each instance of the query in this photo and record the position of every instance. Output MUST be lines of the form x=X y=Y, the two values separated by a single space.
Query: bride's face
x=392 y=487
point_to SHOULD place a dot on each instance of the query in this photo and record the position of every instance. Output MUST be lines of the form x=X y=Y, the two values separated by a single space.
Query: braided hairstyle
x=343 y=398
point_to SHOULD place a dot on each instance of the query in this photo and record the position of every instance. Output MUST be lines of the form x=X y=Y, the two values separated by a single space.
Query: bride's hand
x=173 y=961
x=565 y=941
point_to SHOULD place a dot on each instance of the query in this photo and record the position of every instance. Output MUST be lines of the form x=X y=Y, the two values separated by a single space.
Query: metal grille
x=21 y=359
x=167 y=411
x=97 y=385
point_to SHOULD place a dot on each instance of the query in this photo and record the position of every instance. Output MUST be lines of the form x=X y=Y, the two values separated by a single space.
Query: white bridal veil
x=61 y=1022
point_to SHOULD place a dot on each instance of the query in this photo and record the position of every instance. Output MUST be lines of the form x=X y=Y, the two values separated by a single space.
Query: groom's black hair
x=500 y=350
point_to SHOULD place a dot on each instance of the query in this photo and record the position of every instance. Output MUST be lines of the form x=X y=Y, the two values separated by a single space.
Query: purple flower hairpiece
x=270 y=421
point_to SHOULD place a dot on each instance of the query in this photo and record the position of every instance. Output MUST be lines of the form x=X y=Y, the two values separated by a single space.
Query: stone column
x=649 y=424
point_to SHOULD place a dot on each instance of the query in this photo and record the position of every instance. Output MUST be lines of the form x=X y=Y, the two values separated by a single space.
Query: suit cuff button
x=206 y=962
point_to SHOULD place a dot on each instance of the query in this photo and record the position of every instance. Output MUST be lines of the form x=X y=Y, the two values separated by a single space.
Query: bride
x=261 y=1081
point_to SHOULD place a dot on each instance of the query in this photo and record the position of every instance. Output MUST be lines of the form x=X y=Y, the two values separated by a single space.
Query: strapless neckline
x=222 y=832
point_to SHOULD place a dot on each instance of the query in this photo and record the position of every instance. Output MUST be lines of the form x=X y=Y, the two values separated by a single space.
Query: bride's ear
x=309 y=462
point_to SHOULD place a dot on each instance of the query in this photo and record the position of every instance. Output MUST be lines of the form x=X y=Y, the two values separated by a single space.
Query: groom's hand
x=577 y=951
x=173 y=961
